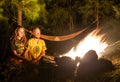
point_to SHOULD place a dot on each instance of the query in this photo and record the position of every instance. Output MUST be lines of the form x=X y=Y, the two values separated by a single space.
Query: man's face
x=36 y=33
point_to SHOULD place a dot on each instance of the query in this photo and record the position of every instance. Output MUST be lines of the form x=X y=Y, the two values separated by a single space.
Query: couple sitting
x=32 y=50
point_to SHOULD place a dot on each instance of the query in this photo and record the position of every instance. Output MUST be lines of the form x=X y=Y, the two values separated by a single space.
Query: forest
x=66 y=26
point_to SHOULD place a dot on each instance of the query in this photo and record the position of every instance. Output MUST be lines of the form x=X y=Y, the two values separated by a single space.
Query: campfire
x=86 y=58
x=93 y=41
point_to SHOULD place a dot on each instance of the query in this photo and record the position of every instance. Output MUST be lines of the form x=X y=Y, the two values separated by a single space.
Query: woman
x=17 y=44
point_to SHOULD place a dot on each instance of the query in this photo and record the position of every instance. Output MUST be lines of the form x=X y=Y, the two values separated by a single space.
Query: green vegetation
x=58 y=17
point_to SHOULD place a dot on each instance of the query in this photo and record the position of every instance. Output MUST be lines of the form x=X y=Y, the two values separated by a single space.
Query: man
x=35 y=47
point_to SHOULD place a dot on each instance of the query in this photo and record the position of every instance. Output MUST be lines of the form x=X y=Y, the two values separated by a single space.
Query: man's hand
x=40 y=56
x=35 y=61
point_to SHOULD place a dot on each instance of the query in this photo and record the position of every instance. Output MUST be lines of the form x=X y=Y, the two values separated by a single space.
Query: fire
x=92 y=41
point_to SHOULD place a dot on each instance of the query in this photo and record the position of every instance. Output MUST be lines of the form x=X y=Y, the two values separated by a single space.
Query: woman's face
x=20 y=33
x=36 y=33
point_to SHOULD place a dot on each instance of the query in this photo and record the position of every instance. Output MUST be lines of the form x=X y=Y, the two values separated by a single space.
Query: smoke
x=111 y=28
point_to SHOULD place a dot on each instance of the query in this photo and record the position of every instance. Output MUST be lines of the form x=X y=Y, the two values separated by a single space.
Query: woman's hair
x=14 y=36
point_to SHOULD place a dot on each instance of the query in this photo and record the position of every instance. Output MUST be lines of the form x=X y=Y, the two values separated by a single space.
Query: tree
x=3 y=19
x=61 y=16
x=28 y=9
x=90 y=9
x=1 y=10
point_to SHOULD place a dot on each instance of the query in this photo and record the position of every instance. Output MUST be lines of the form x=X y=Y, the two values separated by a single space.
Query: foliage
x=3 y=19
x=116 y=9
x=83 y=13
x=1 y=10
x=32 y=9
x=91 y=9
x=63 y=16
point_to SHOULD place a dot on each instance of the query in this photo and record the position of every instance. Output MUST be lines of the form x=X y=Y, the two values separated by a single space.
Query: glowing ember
x=91 y=42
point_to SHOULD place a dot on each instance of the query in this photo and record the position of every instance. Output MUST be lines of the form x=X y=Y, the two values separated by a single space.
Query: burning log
x=90 y=56
x=105 y=65
x=65 y=62
x=90 y=65
x=66 y=67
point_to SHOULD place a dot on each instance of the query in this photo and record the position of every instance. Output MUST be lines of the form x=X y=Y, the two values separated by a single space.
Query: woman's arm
x=17 y=55
x=26 y=55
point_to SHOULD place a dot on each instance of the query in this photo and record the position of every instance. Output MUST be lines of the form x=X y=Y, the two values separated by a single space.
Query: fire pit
x=89 y=65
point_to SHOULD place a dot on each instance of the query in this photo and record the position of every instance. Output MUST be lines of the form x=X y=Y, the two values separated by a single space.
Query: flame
x=92 y=41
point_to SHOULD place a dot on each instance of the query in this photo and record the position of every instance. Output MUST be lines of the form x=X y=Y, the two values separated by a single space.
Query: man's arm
x=40 y=56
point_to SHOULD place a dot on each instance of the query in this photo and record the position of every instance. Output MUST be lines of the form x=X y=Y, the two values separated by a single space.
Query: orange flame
x=92 y=41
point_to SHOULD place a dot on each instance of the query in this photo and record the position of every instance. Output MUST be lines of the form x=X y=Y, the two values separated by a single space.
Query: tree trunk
x=71 y=24
x=19 y=17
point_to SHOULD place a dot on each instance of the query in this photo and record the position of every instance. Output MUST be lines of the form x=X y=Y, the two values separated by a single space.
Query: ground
x=50 y=72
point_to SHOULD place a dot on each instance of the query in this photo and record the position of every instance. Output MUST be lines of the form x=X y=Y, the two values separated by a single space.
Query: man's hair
x=36 y=28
